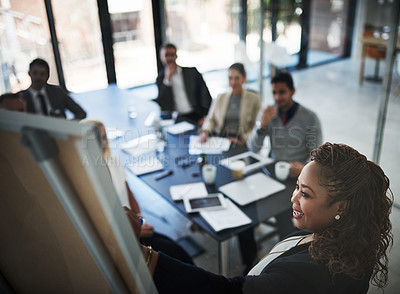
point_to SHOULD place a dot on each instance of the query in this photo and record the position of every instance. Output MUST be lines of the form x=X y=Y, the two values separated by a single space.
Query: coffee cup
x=132 y=111
x=209 y=172
x=282 y=169
x=237 y=168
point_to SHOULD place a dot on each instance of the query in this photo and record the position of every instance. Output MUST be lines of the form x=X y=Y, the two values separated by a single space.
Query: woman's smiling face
x=236 y=80
x=311 y=209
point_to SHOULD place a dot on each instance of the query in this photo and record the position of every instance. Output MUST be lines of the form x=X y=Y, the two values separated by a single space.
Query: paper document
x=167 y=123
x=141 y=145
x=230 y=217
x=180 y=128
x=214 y=145
x=146 y=165
x=251 y=188
x=150 y=118
x=188 y=190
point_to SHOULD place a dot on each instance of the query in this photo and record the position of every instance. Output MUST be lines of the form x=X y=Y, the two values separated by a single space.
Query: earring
x=337 y=217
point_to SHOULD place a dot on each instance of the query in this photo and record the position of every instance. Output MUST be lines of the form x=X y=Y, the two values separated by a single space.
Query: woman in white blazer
x=233 y=114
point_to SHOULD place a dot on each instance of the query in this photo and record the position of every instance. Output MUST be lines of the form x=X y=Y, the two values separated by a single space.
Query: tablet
x=252 y=161
x=210 y=202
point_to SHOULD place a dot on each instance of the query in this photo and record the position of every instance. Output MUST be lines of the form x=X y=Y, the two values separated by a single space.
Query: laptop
x=251 y=188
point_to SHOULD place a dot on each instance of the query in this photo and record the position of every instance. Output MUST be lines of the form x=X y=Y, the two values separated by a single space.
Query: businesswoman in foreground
x=343 y=201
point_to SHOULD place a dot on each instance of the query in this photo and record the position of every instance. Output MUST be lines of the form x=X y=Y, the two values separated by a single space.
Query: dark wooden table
x=110 y=106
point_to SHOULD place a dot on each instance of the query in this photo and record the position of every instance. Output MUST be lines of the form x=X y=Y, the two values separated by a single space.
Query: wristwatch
x=259 y=129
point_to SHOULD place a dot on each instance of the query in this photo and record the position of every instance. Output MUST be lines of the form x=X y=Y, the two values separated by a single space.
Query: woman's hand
x=200 y=122
x=237 y=141
x=203 y=136
x=134 y=220
x=150 y=256
x=147 y=231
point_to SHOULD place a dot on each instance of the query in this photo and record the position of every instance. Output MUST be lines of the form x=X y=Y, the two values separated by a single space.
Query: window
x=79 y=36
x=134 y=49
x=205 y=32
x=24 y=36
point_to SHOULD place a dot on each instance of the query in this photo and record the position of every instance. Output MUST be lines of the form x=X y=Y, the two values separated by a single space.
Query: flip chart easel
x=62 y=226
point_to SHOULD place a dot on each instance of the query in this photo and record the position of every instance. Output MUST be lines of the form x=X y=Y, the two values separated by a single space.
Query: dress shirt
x=180 y=97
x=231 y=123
x=290 y=113
x=37 y=103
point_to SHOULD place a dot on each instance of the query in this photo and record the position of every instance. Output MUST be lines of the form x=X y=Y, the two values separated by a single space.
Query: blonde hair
x=102 y=137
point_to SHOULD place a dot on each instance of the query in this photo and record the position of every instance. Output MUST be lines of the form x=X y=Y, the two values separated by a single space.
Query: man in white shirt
x=181 y=89
x=45 y=99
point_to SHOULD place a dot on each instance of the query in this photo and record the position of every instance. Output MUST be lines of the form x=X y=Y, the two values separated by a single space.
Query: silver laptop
x=251 y=188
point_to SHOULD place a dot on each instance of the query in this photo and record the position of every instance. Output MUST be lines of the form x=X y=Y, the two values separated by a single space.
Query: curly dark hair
x=356 y=244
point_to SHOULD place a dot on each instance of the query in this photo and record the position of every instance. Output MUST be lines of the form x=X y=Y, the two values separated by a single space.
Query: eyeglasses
x=170 y=55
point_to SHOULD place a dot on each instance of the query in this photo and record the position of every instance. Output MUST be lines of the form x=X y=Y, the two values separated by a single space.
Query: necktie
x=283 y=118
x=42 y=104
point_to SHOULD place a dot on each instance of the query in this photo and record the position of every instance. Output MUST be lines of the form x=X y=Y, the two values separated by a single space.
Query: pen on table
x=264 y=169
x=149 y=212
x=164 y=174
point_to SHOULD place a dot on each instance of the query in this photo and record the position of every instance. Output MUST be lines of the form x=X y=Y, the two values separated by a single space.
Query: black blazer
x=196 y=91
x=291 y=272
x=59 y=102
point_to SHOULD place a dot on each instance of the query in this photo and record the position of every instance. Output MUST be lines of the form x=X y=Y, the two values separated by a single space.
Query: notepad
x=230 y=217
x=177 y=192
x=214 y=145
x=141 y=145
x=146 y=165
x=180 y=128
x=251 y=188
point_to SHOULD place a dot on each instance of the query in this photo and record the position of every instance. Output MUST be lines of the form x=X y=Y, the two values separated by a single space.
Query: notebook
x=141 y=145
x=180 y=128
x=214 y=145
x=251 y=188
x=177 y=192
x=230 y=217
x=146 y=165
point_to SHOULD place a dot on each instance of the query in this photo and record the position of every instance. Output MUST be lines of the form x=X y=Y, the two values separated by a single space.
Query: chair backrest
x=372 y=51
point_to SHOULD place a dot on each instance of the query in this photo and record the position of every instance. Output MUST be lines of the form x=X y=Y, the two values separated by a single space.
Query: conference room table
x=259 y=211
x=115 y=116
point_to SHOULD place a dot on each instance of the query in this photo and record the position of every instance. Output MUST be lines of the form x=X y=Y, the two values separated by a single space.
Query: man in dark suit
x=42 y=98
x=181 y=89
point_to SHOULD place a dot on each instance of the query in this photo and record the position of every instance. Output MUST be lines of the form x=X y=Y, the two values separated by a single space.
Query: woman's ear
x=342 y=207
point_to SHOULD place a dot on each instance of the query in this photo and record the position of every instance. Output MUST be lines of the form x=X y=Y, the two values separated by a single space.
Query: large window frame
x=159 y=22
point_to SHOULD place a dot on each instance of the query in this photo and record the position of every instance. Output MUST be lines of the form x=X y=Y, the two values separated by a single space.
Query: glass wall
x=79 y=36
x=328 y=31
x=133 y=36
x=283 y=52
x=205 y=32
x=24 y=36
x=327 y=36
x=288 y=27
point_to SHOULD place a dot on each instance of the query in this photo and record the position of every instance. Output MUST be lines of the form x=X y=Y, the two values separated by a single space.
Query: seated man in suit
x=45 y=99
x=13 y=102
x=181 y=89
